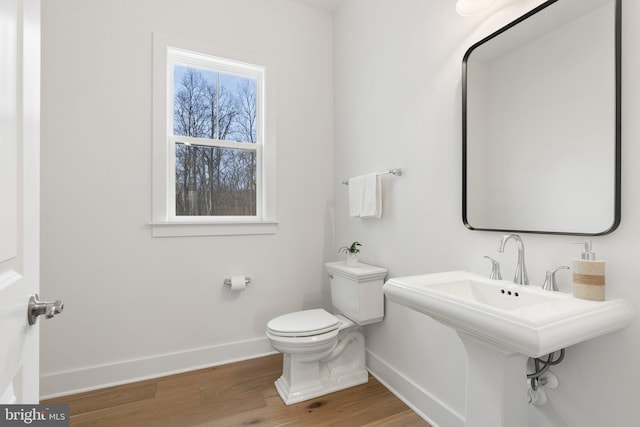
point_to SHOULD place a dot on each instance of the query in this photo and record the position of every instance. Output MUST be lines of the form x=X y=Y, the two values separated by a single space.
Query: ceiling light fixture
x=472 y=7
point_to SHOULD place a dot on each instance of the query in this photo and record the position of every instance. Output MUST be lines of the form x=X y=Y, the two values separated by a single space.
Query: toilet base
x=326 y=386
x=304 y=377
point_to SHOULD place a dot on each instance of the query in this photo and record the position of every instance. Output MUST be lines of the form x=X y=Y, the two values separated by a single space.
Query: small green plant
x=353 y=249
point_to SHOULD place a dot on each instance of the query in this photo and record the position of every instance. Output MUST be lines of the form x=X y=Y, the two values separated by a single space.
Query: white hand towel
x=356 y=193
x=371 y=197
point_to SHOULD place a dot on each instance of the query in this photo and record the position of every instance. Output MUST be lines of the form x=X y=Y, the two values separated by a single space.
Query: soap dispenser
x=588 y=275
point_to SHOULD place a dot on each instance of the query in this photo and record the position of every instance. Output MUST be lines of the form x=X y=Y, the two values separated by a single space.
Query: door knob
x=37 y=308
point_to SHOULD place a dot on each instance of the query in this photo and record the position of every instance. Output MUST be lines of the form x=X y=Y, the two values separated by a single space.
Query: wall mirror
x=541 y=122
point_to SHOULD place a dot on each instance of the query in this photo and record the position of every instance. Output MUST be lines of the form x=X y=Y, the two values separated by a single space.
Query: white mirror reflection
x=541 y=133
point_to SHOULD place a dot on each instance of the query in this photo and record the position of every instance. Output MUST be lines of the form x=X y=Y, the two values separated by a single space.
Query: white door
x=19 y=197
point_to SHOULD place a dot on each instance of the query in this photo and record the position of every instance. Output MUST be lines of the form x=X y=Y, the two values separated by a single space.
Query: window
x=215 y=140
x=212 y=164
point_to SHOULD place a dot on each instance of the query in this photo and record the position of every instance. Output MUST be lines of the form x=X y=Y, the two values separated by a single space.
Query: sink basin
x=525 y=319
x=501 y=325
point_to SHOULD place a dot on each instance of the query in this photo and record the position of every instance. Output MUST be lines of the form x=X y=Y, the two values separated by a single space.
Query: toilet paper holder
x=227 y=281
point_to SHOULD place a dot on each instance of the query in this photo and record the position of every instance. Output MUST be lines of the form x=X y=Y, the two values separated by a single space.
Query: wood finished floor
x=238 y=394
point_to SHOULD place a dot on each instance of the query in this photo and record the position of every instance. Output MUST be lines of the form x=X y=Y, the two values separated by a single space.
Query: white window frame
x=165 y=222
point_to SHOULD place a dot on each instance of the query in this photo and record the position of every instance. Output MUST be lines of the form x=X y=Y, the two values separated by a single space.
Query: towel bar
x=396 y=172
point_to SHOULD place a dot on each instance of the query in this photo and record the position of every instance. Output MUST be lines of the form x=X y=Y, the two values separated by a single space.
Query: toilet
x=325 y=352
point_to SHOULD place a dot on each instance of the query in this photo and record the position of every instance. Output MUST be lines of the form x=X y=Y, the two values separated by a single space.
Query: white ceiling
x=327 y=5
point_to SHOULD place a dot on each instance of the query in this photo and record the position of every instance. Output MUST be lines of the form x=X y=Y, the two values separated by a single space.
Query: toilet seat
x=305 y=323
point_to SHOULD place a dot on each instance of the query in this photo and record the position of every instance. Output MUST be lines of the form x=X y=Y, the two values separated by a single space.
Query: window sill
x=208 y=228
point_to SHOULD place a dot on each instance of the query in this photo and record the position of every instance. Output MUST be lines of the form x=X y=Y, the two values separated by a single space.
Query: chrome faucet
x=521 y=277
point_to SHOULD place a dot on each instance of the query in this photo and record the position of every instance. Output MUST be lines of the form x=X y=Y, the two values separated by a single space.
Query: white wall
x=398 y=104
x=139 y=306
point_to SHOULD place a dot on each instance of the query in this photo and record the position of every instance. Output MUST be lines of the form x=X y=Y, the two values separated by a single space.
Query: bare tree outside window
x=214 y=181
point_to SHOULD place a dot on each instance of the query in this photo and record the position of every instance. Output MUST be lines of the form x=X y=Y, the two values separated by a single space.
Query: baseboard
x=427 y=406
x=128 y=371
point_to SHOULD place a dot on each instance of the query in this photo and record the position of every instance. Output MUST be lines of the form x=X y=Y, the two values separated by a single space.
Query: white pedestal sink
x=501 y=325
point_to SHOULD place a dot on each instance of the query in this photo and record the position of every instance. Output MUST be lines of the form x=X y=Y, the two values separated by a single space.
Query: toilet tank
x=356 y=292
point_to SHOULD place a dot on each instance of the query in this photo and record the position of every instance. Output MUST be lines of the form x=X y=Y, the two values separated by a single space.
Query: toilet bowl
x=324 y=352
x=318 y=361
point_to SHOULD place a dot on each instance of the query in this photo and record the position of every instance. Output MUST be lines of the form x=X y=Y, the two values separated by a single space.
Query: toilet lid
x=303 y=323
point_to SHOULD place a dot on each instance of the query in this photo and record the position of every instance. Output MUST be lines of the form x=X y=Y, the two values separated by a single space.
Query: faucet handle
x=550 y=280
x=495 y=269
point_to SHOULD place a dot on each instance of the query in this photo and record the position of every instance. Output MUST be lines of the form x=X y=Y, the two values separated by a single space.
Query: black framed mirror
x=541 y=122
